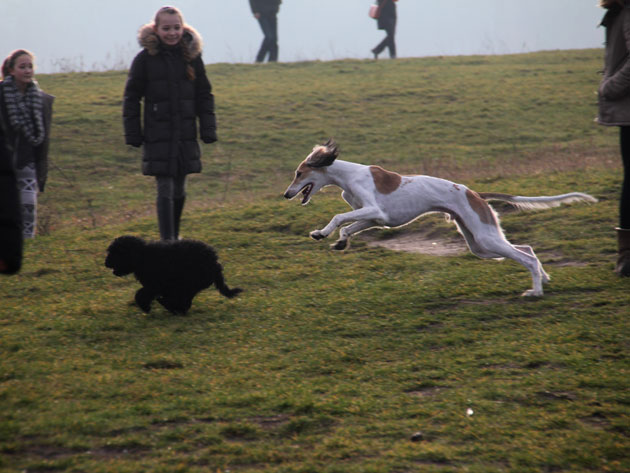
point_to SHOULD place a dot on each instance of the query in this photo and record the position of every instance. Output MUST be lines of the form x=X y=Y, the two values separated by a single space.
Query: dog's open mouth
x=306 y=192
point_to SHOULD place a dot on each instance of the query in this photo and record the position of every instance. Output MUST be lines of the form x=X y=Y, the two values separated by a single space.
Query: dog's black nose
x=286 y=195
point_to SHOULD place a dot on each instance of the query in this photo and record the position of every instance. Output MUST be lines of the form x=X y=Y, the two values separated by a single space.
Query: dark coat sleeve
x=134 y=92
x=41 y=156
x=204 y=103
x=10 y=215
x=618 y=84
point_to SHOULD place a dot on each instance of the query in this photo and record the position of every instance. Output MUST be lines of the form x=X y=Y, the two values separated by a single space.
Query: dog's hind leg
x=346 y=232
x=143 y=298
x=529 y=250
x=490 y=243
x=502 y=248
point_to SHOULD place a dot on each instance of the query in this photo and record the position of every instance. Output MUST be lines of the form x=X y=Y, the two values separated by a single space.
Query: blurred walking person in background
x=266 y=12
x=386 y=20
x=170 y=76
x=614 y=109
x=27 y=114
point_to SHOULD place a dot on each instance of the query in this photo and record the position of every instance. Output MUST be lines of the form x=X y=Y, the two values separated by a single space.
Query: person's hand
x=209 y=137
x=135 y=141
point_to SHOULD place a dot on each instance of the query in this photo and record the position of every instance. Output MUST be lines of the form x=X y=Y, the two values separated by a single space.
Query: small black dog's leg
x=144 y=298
x=176 y=305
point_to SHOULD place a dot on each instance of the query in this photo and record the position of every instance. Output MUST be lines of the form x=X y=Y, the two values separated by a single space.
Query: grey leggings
x=171 y=187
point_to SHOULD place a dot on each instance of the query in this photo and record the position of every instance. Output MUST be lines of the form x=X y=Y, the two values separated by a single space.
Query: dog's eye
x=298 y=174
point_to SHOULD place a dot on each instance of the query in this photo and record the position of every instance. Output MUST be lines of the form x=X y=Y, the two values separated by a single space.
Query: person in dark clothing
x=27 y=114
x=614 y=109
x=170 y=76
x=386 y=21
x=266 y=12
x=10 y=214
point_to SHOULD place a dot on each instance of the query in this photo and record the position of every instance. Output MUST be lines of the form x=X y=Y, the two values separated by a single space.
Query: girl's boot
x=623 y=243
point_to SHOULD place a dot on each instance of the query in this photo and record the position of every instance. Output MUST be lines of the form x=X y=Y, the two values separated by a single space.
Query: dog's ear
x=323 y=155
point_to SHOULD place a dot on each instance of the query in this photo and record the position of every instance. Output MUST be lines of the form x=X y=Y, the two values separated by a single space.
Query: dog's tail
x=219 y=282
x=542 y=202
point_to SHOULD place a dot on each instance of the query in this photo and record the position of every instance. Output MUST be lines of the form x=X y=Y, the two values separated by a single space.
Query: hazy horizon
x=95 y=35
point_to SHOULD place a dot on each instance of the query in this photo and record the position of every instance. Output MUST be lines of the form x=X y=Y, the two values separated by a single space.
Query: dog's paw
x=317 y=235
x=144 y=306
x=143 y=300
x=339 y=245
x=533 y=293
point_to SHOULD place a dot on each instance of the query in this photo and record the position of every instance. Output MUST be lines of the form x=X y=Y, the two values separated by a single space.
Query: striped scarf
x=25 y=111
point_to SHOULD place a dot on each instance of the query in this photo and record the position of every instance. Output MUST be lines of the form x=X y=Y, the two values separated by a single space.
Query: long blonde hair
x=190 y=71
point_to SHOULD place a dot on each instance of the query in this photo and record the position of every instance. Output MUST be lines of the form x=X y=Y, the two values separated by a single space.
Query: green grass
x=328 y=362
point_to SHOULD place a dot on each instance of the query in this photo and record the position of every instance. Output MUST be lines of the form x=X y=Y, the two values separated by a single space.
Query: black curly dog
x=172 y=272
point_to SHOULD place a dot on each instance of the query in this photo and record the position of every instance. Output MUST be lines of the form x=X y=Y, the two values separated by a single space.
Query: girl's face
x=23 y=71
x=169 y=28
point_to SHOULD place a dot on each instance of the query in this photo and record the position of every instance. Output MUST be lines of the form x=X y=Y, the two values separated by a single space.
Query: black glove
x=209 y=137
x=135 y=141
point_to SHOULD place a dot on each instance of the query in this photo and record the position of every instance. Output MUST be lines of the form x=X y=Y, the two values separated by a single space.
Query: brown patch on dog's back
x=480 y=207
x=386 y=182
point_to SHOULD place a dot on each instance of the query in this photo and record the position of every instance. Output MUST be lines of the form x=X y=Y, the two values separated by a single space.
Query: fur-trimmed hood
x=191 y=43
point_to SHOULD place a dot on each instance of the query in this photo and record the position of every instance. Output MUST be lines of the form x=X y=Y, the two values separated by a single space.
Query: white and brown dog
x=382 y=198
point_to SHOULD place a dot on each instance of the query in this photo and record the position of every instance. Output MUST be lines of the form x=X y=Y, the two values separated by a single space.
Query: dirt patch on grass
x=432 y=235
x=444 y=243
x=419 y=241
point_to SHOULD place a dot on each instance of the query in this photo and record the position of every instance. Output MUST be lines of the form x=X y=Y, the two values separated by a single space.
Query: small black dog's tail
x=219 y=282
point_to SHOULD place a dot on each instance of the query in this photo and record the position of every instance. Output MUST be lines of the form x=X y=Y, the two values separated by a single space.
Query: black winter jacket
x=614 y=89
x=388 y=14
x=37 y=154
x=265 y=6
x=10 y=213
x=172 y=104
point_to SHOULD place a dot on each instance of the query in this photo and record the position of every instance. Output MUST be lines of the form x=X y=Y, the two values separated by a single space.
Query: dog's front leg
x=143 y=298
x=366 y=213
x=346 y=232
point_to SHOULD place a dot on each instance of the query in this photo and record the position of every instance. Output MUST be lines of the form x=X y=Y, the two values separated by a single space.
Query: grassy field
x=366 y=361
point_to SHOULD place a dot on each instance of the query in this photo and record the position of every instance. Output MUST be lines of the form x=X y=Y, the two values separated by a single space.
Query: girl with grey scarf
x=25 y=115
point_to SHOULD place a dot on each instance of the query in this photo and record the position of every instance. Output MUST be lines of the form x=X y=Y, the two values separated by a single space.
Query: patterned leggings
x=27 y=186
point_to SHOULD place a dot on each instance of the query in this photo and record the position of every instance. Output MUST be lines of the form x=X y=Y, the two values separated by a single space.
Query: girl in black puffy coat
x=169 y=75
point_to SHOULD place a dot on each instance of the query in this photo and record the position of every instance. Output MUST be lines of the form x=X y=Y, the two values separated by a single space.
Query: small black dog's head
x=122 y=254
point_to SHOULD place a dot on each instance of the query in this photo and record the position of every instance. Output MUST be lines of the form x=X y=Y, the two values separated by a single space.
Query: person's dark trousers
x=389 y=41
x=166 y=219
x=178 y=208
x=624 y=203
x=623 y=231
x=269 y=26
x=171 y=195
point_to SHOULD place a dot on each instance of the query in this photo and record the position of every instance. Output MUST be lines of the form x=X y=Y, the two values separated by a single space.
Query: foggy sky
x=99 y=35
